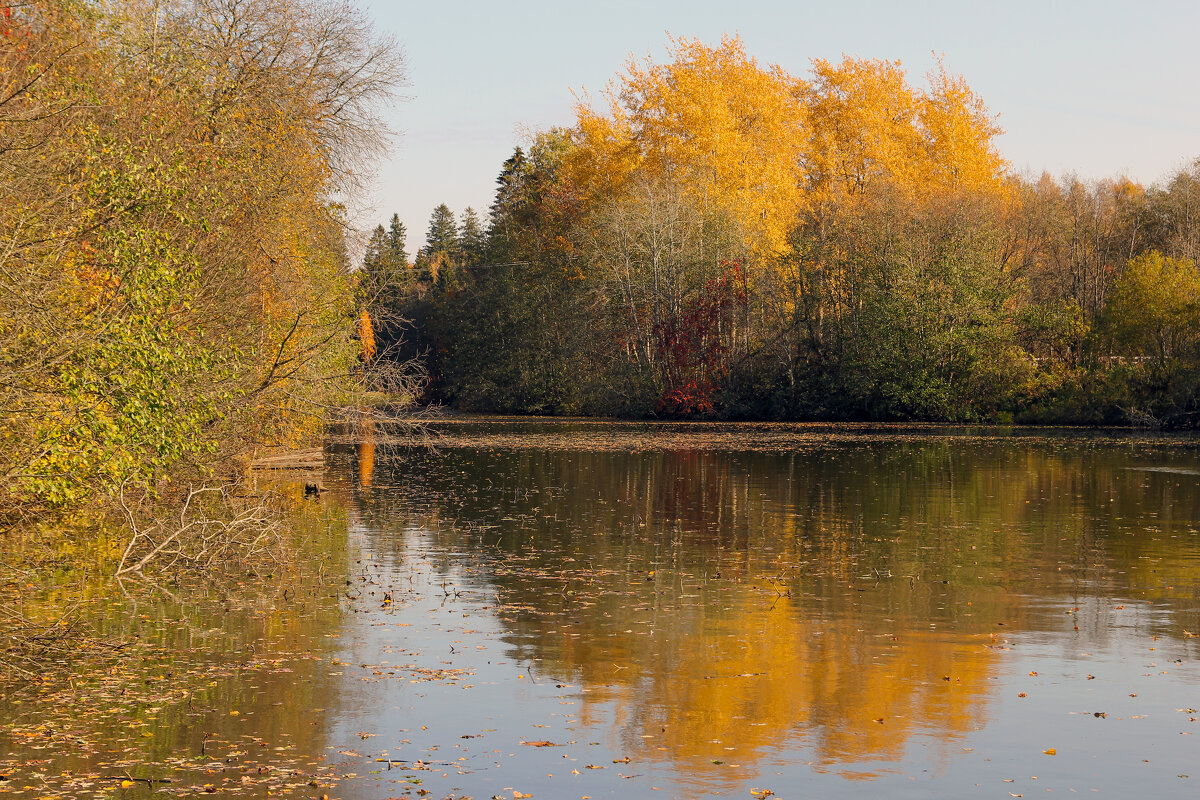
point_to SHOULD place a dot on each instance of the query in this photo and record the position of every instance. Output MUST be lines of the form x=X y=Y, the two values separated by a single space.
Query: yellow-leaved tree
x=681 y=155
x=958 y=131
x=713 y=122
x=886 y=163
x=870 y=128
x=174 y=285
x=761 y=146
x=863 y=116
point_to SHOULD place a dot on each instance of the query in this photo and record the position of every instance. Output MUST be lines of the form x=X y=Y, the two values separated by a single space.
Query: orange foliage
x=727 y=130
x=366 y=337
x=762 y=146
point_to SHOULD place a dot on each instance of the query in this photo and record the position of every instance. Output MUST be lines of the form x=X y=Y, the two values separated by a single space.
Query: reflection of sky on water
x=795 y=619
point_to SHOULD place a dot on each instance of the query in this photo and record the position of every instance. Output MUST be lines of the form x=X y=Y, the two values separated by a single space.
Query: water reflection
x=566 y=610
x=171 y=686
x=825 y=602
x=364 y=431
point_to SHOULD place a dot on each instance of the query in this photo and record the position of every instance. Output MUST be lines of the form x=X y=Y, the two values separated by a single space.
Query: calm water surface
x=565 y=610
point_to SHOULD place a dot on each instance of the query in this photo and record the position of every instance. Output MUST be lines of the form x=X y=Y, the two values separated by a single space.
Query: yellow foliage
x=176 y=290
x=1154 y=307
x=714 y=122
x=869 y=127
x=607 y=155
x=366 y=337
x=958 y=134
x=863 y=117
x=761 y=146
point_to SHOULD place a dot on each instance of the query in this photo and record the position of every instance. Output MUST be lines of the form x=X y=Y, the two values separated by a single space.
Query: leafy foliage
x=174 y=291
x=716 y=237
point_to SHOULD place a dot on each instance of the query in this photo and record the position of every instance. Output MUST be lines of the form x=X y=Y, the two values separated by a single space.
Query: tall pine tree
x=471 y=240
x=438 y=260
x=383 y=284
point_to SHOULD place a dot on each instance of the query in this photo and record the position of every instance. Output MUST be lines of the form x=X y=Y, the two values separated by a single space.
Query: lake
x=570 y=609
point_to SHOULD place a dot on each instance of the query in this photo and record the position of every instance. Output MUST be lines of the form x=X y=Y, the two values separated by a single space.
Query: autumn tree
x=1154 y=308
x=187 y=299
x=671 y=276
x=785 y=163
x=725 y=130
x=1171 y=217
x=1150 y=333
x=727 y=238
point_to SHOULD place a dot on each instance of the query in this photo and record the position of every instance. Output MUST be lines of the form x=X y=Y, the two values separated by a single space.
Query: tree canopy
x=715 y=236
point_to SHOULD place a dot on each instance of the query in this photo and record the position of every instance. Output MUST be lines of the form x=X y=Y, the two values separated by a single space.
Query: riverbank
x=675 y=609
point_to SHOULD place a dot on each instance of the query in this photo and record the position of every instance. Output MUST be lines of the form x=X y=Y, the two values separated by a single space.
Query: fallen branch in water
x=212 y=524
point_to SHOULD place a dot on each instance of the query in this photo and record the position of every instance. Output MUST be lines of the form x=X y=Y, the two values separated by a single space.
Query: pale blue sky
x=1098 y=88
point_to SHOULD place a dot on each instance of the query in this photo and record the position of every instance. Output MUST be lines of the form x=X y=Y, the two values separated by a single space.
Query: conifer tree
x=471 y=239
x=395 y=241
x=384 y=281
x=439 y=258
x=510 y=192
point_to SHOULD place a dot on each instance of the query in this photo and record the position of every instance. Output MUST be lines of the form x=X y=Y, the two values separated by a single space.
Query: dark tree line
x=1064 y=302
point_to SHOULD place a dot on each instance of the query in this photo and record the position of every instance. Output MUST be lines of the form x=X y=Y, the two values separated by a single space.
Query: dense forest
x=709 y=238
x=715 y=238
x=175 y=285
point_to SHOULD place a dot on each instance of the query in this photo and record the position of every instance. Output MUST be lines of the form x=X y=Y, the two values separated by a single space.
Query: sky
x=1094 y=88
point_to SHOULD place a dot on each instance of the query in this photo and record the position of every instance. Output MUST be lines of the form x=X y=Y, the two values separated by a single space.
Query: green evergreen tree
x=384 y=283
x=439 y=259
x=517 y=338
x=395 y=241
x=511 y=195
x=471 y=239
